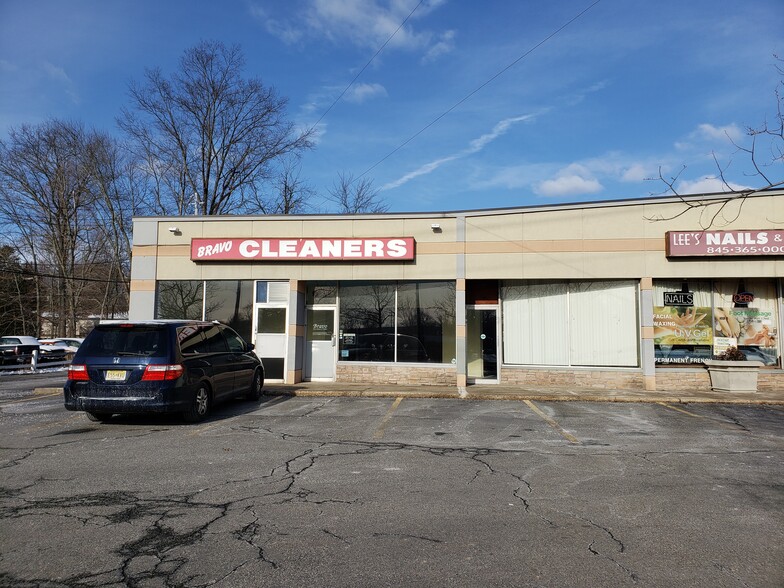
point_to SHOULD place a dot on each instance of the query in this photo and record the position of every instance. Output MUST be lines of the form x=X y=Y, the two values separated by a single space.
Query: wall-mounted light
x=174 y=230
x=436 y=227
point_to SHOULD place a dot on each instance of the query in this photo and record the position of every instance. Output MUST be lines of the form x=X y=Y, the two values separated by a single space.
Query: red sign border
x=196 y=241
x=674 y=254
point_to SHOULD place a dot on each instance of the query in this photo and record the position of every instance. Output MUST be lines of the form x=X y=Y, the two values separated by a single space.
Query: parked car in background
x=13 y=351
x=69 y=344
x=18 y=349
x=161 y=366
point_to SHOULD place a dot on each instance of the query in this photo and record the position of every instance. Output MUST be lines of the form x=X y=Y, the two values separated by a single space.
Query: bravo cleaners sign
x=338 y=249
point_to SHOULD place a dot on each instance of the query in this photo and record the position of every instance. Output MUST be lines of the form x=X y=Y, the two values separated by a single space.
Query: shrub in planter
x=731 y=354
x=731 y=372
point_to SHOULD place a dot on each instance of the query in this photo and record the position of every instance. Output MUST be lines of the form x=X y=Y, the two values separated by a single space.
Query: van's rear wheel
x=199 y=407
x=99 y=417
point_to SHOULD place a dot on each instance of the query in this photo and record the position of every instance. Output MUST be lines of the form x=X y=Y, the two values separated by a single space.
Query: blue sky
x=627 y=88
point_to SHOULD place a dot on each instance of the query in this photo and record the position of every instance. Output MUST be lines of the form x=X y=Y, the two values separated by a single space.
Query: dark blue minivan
x=161 y=366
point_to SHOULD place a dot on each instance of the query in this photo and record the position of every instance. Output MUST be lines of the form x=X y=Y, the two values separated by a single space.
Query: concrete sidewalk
x=491 y=392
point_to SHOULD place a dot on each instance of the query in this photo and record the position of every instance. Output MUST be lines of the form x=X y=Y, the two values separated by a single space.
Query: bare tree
x=290 y=194
x=121 y=193
x=355 y=196
x=208 y=135
x=764 y=153
x=64 y=208
x=47 y=201
x=16 y=290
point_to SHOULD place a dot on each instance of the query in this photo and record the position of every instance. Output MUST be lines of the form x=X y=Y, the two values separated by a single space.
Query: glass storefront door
x=482 y=344
x=320 y=344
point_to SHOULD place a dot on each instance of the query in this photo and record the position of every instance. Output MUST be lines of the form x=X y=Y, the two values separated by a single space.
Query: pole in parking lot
x=34 y=360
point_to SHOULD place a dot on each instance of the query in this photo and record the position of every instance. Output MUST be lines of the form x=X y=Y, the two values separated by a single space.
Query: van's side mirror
x=250 y=346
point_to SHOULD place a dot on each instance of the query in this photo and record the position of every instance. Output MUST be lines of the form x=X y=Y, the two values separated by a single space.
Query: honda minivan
x=161 y=366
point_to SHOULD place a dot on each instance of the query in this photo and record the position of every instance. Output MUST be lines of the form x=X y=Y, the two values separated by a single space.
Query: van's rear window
x=122 y=341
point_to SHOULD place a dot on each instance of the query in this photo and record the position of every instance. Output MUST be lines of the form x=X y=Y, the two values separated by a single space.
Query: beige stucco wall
x=591 y=241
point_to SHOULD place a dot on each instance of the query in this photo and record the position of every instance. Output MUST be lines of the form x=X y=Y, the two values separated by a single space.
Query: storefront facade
x=626 y=294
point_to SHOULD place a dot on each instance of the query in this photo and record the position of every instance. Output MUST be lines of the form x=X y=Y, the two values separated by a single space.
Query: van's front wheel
x=256 y=386
x=199 y=407
x=99 y=417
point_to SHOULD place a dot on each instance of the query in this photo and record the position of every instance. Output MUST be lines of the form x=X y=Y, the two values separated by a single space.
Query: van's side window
x=215 y=340
x=191 y=340
x=236 y=344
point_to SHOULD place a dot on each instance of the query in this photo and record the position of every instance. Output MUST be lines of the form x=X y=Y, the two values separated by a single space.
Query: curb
x=516 y=397
x=460 y=395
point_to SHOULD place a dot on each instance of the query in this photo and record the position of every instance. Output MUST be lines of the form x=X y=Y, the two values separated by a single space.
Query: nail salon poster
x=751 y=326
x=677 y=325
x=754 y=329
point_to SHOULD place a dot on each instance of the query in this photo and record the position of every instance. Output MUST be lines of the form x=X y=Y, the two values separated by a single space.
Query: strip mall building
x=620 y=294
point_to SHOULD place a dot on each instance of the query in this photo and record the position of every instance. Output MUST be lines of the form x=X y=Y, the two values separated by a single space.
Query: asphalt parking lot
x=393 y=492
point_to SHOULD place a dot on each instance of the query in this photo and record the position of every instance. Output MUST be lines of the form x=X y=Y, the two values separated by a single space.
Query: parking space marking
x=379 y=433
x=49 y=425
x=691 y=414
x=30 y=398
x=730 y=425
x=201 y=430
x=568 y=436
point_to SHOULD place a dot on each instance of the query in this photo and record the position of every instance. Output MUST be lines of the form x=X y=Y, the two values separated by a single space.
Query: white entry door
x=320 y=344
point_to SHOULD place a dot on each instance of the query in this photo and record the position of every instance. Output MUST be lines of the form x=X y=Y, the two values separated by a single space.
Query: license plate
x=115 y=375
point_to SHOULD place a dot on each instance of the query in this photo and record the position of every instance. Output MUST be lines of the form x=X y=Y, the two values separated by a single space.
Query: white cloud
x=58 y=74
x=474 y=147
x=514 y=177
x=568 y=185
x=359 y=93
x=636 y=172
x=708 y=131
x=708 y=134
x=285 y=31
x=498 y=130
x=706 y=185
x=580 y=95
x=364 y=23
x=421 y=171
x=444 y=45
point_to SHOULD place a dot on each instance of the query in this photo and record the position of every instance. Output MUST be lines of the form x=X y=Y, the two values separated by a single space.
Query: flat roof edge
x=666 y=199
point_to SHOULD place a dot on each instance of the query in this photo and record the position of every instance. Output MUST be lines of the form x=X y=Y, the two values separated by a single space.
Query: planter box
x=733 y=376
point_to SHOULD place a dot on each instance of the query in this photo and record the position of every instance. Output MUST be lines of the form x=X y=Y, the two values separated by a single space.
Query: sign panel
x=679 y=299
x=724 y=243
x=338 y=249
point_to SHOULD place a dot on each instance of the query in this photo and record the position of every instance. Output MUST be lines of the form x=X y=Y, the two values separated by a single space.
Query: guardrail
x=32 y=361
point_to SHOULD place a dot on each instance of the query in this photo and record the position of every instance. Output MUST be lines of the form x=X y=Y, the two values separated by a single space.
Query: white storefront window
x=570 y=323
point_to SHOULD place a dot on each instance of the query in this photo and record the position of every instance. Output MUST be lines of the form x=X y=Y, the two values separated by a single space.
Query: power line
x=356 y=77
x=23 y=272
x=470 y=94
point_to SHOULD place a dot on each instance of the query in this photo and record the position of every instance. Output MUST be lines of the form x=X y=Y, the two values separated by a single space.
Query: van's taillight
x=157 y=373
x=78 y=373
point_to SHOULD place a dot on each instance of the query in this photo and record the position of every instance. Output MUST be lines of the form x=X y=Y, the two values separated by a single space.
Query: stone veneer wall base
x=583 y=379
x=406 y=375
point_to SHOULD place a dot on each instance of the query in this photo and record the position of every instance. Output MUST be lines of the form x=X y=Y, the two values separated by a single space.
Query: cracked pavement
x=358 y=492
